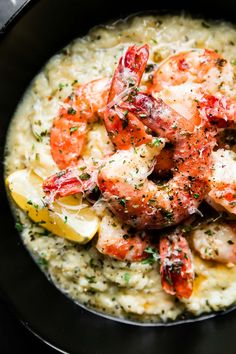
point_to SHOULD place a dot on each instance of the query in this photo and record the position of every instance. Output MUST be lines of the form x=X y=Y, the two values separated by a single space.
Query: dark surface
x=9 y=9
x=15 y=338
x=48 y=26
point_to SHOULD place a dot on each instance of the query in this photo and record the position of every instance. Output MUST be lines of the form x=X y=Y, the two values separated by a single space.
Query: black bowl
x=44 y=28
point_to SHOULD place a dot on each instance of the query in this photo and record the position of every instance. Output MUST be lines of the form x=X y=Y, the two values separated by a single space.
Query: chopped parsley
x=152 y=201
x=209 y=232
x=60 y=173
x=91 y=279
x=19 y=226
x=42 y=262
x=61 y=86
x=71 y=110
x=127 y=277
x=186 y=228
x=84 y=176
x=156 y=142
x=38 y=137
x=122 y=202
x=73 y=129
x=168 y=279
x=36 y=206
x=168 y=215
x=153 y=256
x=92 y=262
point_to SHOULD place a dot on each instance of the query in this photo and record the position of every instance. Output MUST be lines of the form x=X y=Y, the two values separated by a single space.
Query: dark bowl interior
x=44 y=28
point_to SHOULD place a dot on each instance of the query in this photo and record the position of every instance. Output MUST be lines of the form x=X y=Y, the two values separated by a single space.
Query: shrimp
x=218 y=110
x=117 y=241
x=141 y=203
x=123 y=127
x=176 y=267
x=69 y=131
x=216 y=114
x=80 y=179
x=216 y=241
x=201 y=66
x=198 y=84
x=222 y=182
x=186 y=78
x=177 y=271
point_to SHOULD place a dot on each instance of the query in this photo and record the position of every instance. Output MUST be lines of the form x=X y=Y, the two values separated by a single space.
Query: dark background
x=15 y=338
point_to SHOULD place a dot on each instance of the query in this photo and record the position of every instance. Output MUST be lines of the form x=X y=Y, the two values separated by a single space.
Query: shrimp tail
x=70 y=182
x=124 y=128
x=177 y=271
x=129 y=70
x=157 y=115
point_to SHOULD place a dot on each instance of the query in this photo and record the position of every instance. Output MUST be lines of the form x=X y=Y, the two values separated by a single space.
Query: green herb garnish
x=153 y=256
x=122 y=202
x=127 y=277
x=73 y=129
x=71 y=110
x=156 y=142
x=84 y=176
x=19 y=226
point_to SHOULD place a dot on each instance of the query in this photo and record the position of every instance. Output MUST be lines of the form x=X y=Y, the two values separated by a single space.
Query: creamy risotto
x=63 y=235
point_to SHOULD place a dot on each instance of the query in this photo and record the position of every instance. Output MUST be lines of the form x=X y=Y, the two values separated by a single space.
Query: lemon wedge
x=66 y=218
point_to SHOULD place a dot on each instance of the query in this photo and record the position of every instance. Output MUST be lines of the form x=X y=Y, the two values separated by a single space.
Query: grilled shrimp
x=159 y=206
x=216 y=241
x=198 y=84
x=187 y=78
x=177 y=271
x=119 y=242
x=69 y=131
x=79 y=179
x=200 y=66
x=218 y=110
x=176 y=267
x=222 y=182
x=124 y=128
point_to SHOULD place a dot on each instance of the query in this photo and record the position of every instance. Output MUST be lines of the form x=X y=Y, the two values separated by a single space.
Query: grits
x=119 y=288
